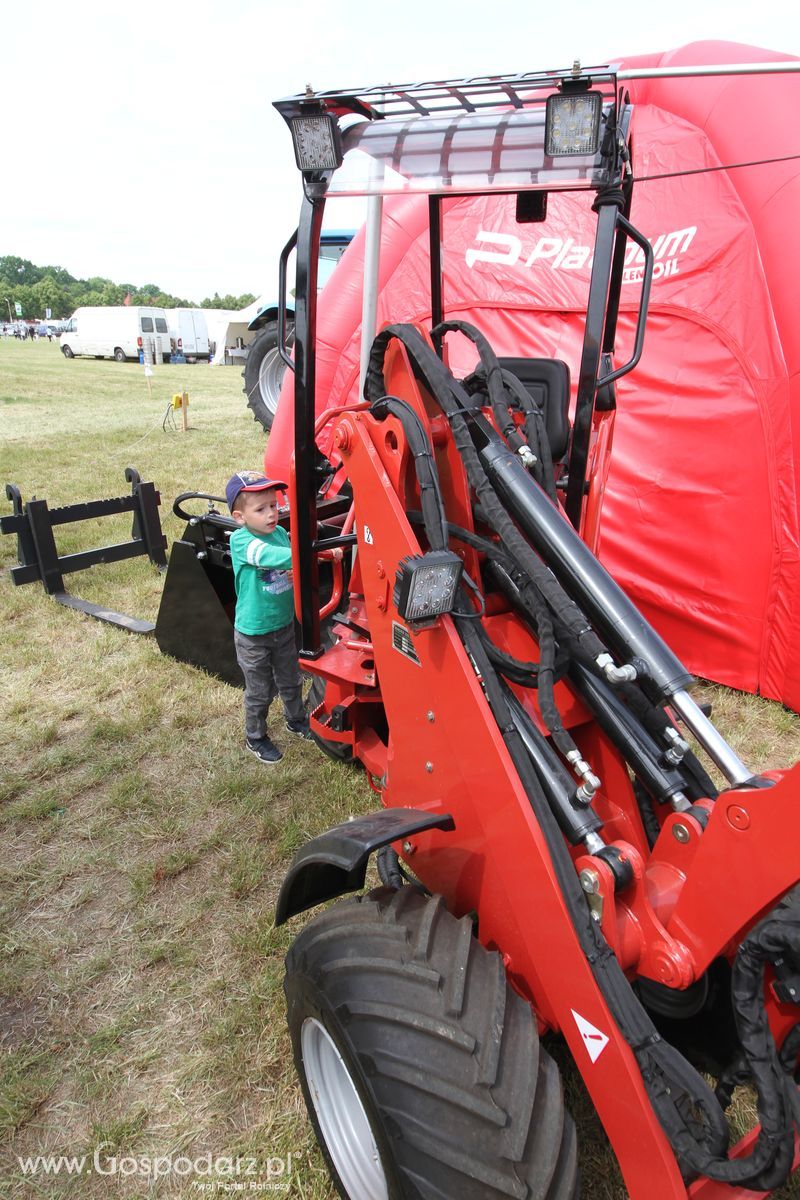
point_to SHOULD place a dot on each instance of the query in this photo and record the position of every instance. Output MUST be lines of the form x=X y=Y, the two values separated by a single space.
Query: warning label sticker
x=594 y=1039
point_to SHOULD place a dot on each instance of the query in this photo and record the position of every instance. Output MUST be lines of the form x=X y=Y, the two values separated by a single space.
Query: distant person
x=264 y=622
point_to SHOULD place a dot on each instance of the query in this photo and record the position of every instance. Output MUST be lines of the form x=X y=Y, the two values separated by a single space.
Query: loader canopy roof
x=464 y=136
x=469 y=153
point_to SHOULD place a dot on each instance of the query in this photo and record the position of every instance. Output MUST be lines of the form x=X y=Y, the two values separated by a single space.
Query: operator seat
x=546 y=380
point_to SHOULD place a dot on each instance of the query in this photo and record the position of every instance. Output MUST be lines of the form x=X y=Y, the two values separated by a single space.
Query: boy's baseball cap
x=248 y=481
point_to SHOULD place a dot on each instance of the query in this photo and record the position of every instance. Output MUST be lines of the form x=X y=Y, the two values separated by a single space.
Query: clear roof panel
x=459 y=152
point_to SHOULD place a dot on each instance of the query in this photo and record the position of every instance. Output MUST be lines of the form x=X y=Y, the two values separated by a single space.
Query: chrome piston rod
x=710 y=738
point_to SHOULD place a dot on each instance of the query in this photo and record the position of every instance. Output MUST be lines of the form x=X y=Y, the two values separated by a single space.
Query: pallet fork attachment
x=39 y=560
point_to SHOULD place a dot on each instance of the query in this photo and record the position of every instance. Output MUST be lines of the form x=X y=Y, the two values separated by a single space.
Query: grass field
x=141 y=1009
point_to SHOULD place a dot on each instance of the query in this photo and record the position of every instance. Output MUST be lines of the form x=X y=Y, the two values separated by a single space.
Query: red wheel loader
x=556 y=857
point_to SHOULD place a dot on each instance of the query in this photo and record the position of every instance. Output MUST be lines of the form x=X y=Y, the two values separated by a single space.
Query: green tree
x=18 y=269
x=112 y=293
x=229 y=301
x=48 y=295
x=39 y=288
x=26 y=296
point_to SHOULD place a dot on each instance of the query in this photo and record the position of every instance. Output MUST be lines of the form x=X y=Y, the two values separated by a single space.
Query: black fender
x=270 y=313
x=335 y=862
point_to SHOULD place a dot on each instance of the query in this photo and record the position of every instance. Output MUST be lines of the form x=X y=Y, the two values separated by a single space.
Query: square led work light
x=426 y=586
x=317 y=145
x=572 y=123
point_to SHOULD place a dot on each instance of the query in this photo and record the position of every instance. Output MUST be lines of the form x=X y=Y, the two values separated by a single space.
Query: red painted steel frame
x=691 y=899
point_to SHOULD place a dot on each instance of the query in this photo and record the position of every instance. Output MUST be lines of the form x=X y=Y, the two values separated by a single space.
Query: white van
x=189 y=332
x=116 y=331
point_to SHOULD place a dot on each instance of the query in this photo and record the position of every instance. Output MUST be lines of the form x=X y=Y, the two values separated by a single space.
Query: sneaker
x=300 y=728
x=264 y=750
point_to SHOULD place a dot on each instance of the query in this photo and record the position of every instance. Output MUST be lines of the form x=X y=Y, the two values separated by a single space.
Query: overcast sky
x=140 y=144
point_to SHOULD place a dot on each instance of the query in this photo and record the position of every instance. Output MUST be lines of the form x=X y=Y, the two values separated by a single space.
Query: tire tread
x=469 y=1103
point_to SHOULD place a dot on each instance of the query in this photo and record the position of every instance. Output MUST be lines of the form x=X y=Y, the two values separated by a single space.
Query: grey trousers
x=269 y=666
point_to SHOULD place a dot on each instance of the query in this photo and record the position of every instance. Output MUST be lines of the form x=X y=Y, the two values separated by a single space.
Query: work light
x=572 y=123
x=317 y=145
x=426 y=585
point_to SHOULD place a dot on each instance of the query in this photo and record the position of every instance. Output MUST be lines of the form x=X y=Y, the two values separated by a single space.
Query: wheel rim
x=341 y=1115
x=270 y=376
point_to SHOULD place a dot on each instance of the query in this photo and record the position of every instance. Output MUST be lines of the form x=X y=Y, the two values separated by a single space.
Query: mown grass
x=141 y=1007
x=140 y=974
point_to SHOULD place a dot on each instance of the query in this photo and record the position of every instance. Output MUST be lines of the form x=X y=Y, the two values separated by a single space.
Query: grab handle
x=282 y=271
x=644 y=300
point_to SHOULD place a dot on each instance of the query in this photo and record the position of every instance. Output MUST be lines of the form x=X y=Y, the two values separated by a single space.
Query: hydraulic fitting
x=614 y=674
x=590 y=782
x=677 y=748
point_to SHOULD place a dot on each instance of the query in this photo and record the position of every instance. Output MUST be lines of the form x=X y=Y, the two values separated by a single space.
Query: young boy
x=264 y=624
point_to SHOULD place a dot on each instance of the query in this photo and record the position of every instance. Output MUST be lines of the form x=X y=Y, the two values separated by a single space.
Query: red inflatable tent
x=700 y=523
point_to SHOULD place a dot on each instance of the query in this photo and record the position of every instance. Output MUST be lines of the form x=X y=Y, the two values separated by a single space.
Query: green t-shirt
x=264 y=598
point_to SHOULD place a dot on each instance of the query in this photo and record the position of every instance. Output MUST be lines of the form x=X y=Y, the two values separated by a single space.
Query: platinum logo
x=565 y=254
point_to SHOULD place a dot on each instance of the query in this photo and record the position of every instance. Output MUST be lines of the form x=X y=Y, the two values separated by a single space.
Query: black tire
x=167 y=359
x=120 y=355
x=338 y=751
x=263 y=373
x=67 y=352
x=443 y=1057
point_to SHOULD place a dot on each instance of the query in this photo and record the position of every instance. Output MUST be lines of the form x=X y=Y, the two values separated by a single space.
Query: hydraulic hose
x=453 y=400
x=699 y=783
x=580 y=573
x=576 y=821
x=390 y=872
x=500 y=566
x=536 y=432
x=493 y=374
x=210 y=517
x=433 y=512
x=622 y=723
x=533 y=423
x=635 y=744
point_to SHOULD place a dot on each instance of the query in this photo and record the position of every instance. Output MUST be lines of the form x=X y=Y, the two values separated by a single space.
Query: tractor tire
x=421 y=1069
x=335 y=750
x=263 y=373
